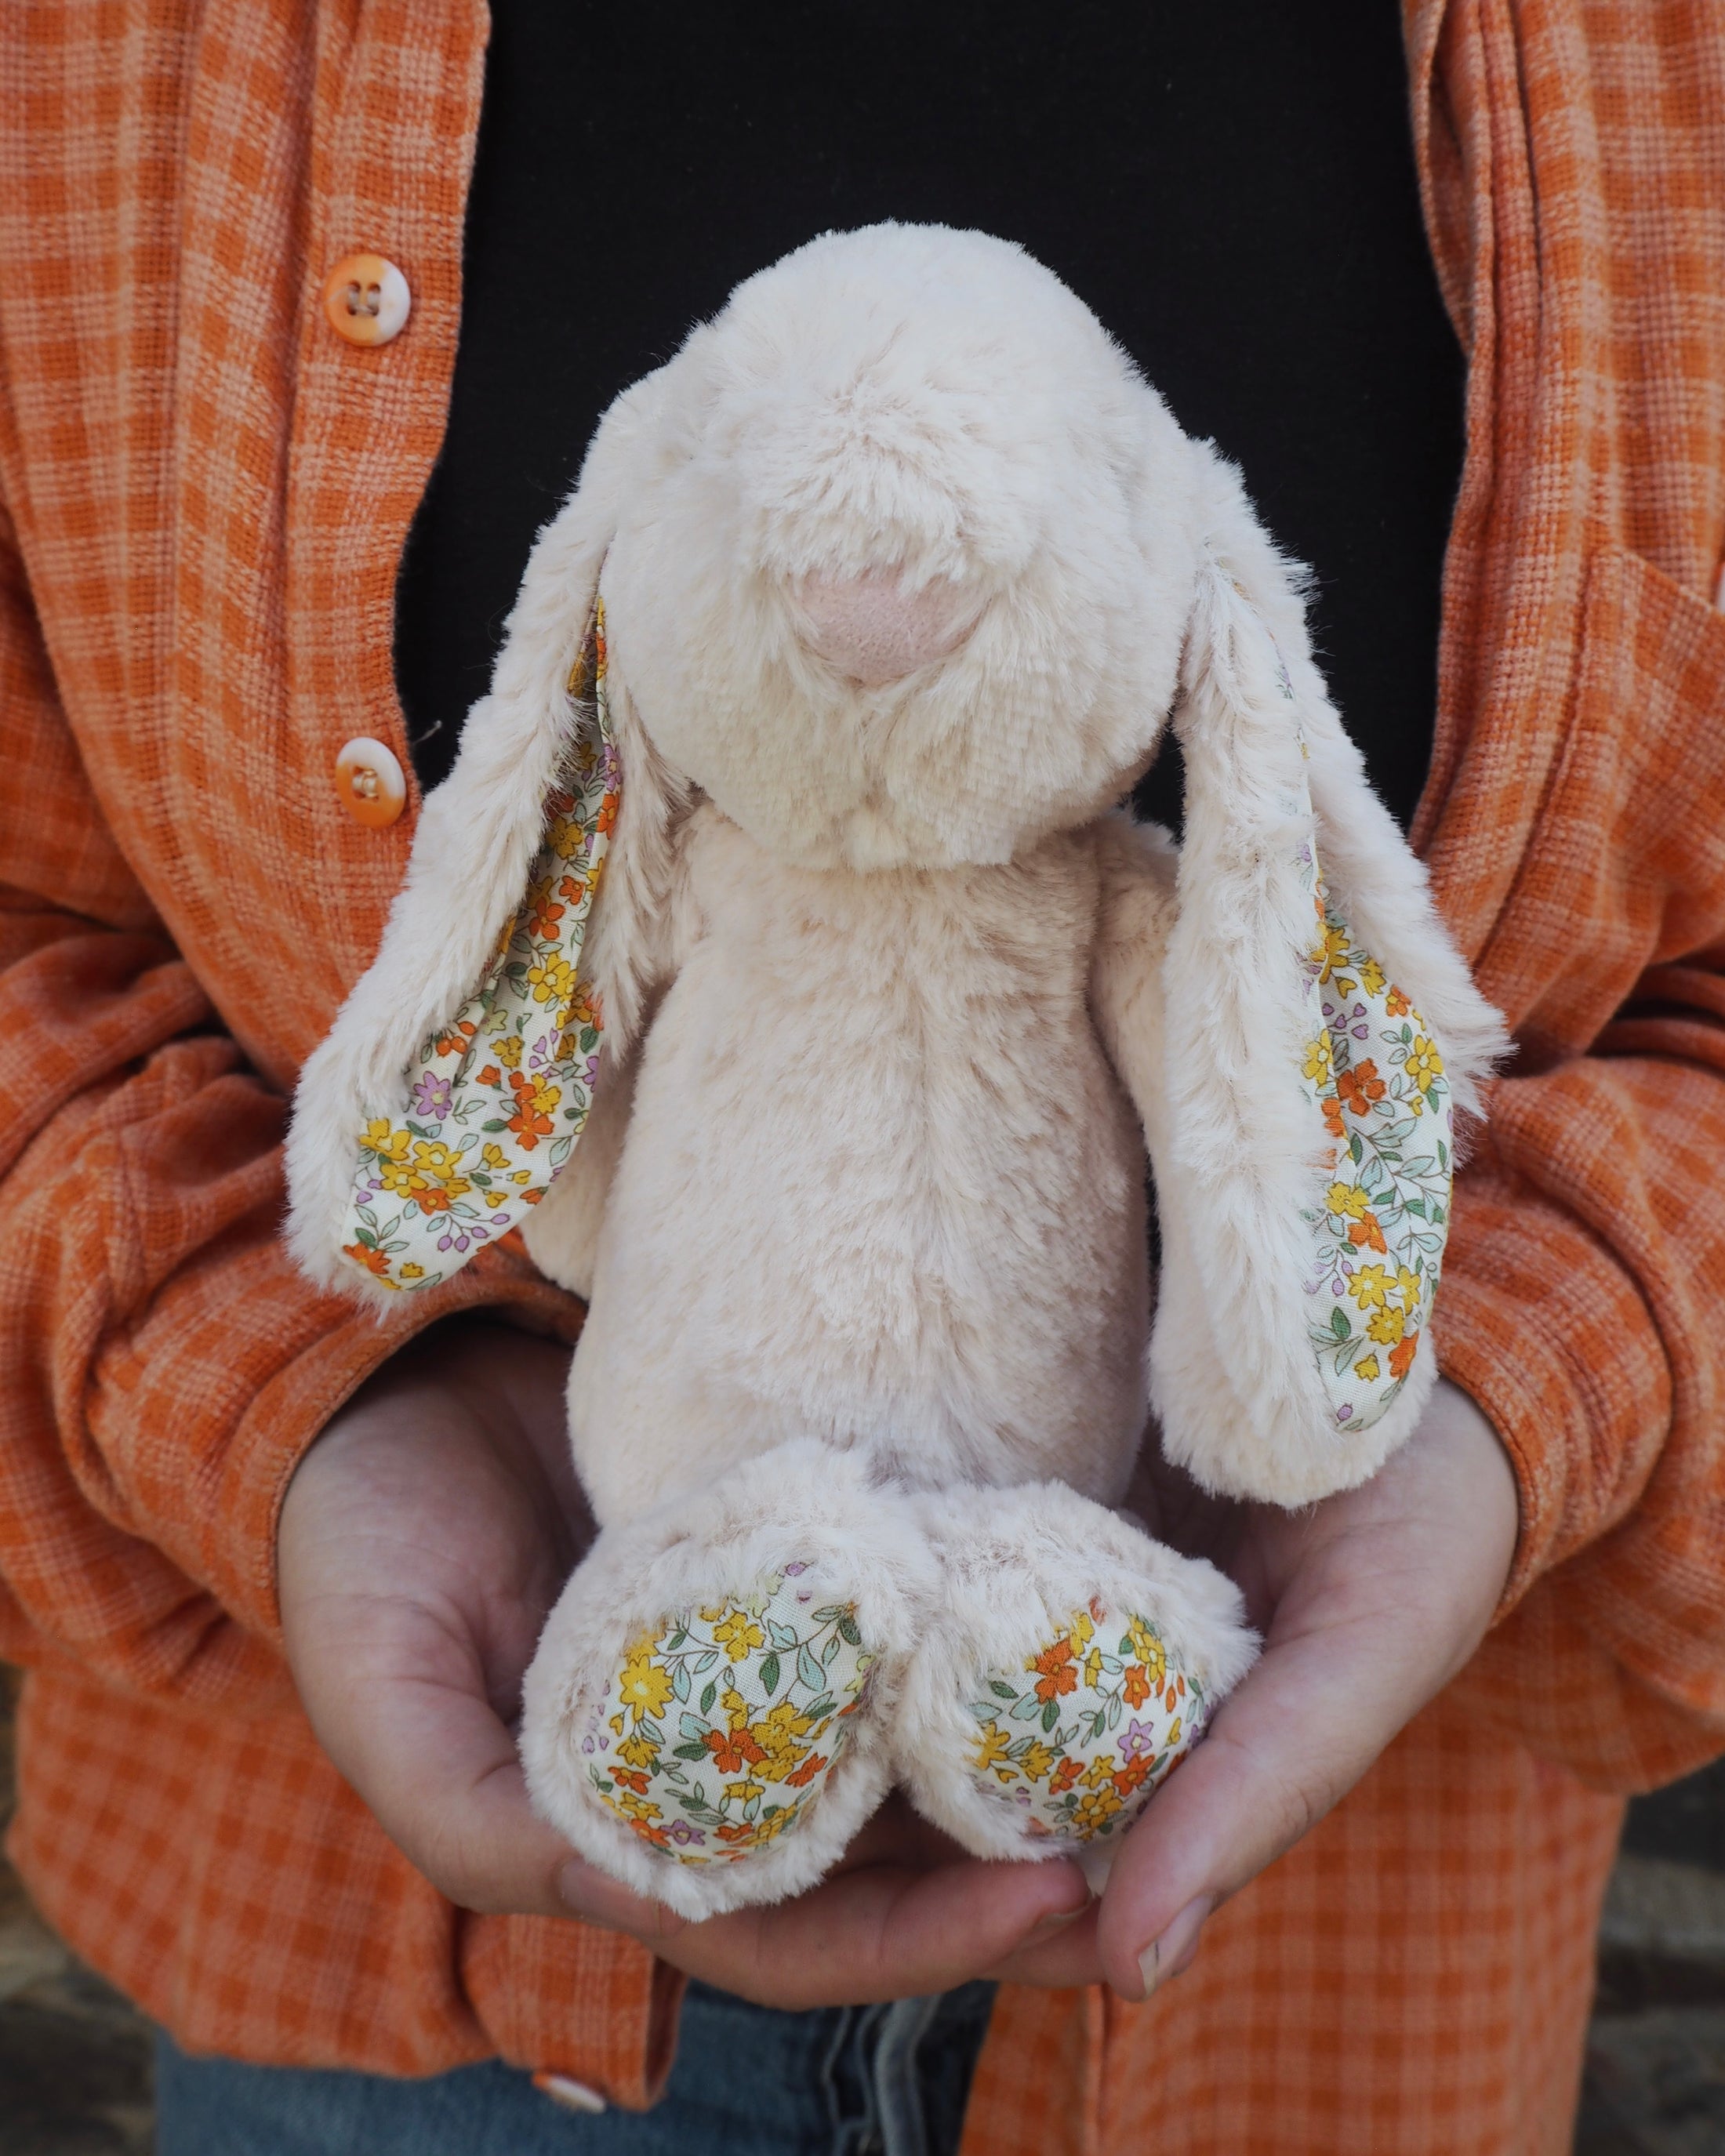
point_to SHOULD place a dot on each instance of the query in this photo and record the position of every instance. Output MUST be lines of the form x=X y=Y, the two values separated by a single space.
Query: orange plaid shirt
x=203 y=496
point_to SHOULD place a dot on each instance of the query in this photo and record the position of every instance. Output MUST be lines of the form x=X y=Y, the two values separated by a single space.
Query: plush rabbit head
x=900 y=564
x=901 y=554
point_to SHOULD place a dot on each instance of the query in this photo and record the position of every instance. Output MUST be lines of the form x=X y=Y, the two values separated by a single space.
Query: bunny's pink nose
x=872 y=629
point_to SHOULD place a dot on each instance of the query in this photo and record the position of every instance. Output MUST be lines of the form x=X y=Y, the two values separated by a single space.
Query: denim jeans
x=841 y=2081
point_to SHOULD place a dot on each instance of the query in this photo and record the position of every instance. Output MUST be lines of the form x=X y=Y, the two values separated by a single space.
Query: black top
x=1231 y=188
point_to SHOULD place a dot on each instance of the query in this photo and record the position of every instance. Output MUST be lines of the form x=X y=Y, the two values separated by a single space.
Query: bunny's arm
x=1135 y=917
x=561 y=1233
x=1128 y=1004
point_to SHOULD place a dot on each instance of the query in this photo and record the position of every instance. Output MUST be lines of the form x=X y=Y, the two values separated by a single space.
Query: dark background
x=1232 y=189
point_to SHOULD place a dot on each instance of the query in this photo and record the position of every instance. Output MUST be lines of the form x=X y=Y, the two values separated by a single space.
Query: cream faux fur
x=1013 y=1565
x=891 y=996
x=880 y=1186
x=476 y=837
x=1237 y=1176
x=800 y=1503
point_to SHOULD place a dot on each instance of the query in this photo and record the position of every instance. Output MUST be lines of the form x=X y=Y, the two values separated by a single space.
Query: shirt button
x=370 y=782
x=572 y=2095
x=366 y=299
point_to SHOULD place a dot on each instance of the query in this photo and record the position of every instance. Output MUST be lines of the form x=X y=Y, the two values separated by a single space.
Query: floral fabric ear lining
x=492 y=1105
x=1373 y=1073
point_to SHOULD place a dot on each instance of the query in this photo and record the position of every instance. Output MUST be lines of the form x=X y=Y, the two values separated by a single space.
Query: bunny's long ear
x=457 y=1077
x=1322 y=1031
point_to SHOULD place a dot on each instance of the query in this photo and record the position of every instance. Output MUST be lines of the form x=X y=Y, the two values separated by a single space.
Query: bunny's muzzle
x=874 y=630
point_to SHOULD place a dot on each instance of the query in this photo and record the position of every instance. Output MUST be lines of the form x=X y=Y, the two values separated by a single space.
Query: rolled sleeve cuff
x=288 y=1413
x=1545 y=1329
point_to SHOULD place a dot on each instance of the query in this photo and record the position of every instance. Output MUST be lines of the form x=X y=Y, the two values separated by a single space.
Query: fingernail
x=1165 y=1956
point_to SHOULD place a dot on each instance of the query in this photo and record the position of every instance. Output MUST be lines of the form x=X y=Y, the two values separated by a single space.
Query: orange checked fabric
x=204 y=490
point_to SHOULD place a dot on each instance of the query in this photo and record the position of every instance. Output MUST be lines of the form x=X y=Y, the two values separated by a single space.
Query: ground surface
x=74 y=2061
x=1655 y=2067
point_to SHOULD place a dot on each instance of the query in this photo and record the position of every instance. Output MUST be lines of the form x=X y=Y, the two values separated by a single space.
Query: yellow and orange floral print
x=716 y=1735
x=1077 y=1740
x=1376 y=1077
x=493 y=1105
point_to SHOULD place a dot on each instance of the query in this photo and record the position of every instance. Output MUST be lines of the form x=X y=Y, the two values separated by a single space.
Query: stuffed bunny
x=868 y=608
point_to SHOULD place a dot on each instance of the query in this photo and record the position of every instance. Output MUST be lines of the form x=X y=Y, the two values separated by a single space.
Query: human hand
x=422 y=1542
x=1369 y=1603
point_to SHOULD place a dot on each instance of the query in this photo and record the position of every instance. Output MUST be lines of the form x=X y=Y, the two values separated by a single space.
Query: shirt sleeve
x=1581 y=1299
x=163 y=1366
x=1582 y=1313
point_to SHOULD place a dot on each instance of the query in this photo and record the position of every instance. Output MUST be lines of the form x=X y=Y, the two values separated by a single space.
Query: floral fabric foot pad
x=1077 y=1740
x=716 y=1736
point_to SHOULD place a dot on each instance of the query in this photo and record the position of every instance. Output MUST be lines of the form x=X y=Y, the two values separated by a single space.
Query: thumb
x=1385 y=1592
x=1295 y=1736
x=441 y=1774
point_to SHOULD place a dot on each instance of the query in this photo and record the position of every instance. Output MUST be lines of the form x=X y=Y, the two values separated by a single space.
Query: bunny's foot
x=1073 y=1663
x=705 y=1716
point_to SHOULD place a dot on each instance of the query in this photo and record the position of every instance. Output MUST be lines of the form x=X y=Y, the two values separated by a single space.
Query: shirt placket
x=397 y=119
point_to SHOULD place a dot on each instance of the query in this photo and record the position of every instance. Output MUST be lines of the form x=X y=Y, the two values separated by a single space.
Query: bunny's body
x=884 y=589
x=880 y=1186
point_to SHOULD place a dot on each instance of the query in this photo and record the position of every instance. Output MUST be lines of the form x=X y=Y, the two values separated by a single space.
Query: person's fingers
x=417 y=1738
x=440 y=1772
x=1298 y=1734
x=898 y=1835
x=880 y=1933
x=875 y=1932
x=1379 y=1596
x=439 y=1769
x=482 y=1847
x=1060 y=1954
